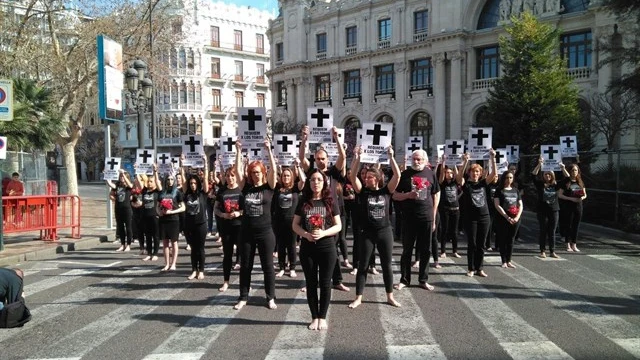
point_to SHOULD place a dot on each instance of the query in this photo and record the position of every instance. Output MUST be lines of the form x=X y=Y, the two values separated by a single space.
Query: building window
x=215 y=68
x=421 y=74
x=183 y=92
x=237 y=40
x=421 y=125
x=191 y=93
x=385 y=79
x=321 y=46
x=239 y=99
x=384 y=30
x=488 y=64
x=420 y=25
x=352 y=84
x=575 y=49
x=281 y=94
x=174 y=58
x=216 y=100
x=176 y=27
x=217 y=131
x=352 y=36
x=239 y=76
x=190 y=59
x=323 y=88
x=174 y=92
x=198 y=94
x=279 y=53
x=260 y=43
x=260 y=99
x=182 y=59
x=260 y=73
x=215 y=36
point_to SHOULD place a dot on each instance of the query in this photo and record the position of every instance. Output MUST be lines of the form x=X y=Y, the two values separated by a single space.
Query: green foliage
x=534 y=102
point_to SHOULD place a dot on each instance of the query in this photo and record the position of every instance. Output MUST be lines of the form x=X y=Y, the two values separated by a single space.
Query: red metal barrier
x=46 y=213
x=52 y=187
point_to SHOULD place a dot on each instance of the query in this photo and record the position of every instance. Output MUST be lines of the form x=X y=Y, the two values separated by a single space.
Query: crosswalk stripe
x=63 y=278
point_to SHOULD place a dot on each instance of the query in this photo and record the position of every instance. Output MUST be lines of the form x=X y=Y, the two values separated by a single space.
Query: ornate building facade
x=425 y=66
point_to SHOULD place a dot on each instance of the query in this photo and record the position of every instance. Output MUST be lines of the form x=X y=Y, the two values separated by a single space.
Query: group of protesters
x=301 y=212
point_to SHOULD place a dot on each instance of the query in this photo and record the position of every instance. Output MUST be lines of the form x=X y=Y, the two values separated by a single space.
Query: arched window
x=192 y=93
x=183 y=125
x=421 y=125
x=183 y=59
x=192 y=125
x=183 y=92
x=175 y=123
x=482 y=117
x=199 y=125
x=190 y=59
x=165 y=127
x=174 y=58
x=174 y=92
x=351 y=126
x=388 y=119
x=198 y=100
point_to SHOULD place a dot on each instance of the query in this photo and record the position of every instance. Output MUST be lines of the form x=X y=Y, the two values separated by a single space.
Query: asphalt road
x=98 y=304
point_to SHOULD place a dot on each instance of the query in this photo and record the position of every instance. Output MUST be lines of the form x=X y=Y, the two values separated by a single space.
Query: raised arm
x=301 y=176
x=355 y=170
x=156 y=178
x=206 y=174
x=536 y=170
x=442 y=170
x=239 y=165
x=272 y=174
x=342 y=156
x=460 y=175
x=395 y=179
x=302 y=154
x=223 y=178
x=494 y=167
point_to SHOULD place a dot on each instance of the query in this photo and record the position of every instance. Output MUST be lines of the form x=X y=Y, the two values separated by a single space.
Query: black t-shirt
x=176 y=197
x=547 y=195
x=10 y=286
x=449 y=195
x=123 y=196
x=149 y=200
x=475 y=199
x=334 y=176
x=374 y=204
x=509 y=200
x=229 y=199
x=572 y=188
x=427 y=185
x=318 y=208
x=285 y=202
x=195 y=208
x=257 y=206
x=491 y=194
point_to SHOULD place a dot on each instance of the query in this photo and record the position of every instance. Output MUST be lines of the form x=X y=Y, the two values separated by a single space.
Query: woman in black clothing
x=136 y=207
x=548 y=207
x=317 y=221
x=149 y=217
x=573 y=193
x=492 y=234
x=374 y=200
x=195 y=221
x=476 y=218
x=121 y=192
x=449 y=210
x=170 y=205
x=284 y=204
x=227 y=209
x=257 y=190
x=508 y=205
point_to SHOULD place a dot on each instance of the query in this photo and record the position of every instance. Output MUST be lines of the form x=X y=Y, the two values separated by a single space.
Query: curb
x=61 y=247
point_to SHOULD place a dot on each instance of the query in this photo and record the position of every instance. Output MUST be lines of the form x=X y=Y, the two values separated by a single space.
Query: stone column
x=291 y=99
x=367 y=93
x=336 y=95
x=302 y=85
x=440 y=95
x=455 y=120
x=401 y=89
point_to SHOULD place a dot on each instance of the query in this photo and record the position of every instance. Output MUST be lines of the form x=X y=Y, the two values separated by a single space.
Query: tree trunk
x=69 y=161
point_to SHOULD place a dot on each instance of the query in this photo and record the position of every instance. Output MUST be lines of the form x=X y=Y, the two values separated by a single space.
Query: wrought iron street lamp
x=140 y=95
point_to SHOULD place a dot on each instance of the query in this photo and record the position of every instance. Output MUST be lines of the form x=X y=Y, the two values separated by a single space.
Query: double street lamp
x=140 y=96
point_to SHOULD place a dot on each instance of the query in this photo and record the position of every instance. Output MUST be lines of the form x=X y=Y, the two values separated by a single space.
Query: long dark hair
x=325 y=195
x=578 y=177
x=198 y=184
x=503 y=179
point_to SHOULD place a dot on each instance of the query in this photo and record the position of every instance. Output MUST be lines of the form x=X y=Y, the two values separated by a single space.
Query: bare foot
x=399 y=286
x=236 y=267
x=347 y=265
x=127 y=248
x=272 y=305
x=293 y=274
x=437 y=265
x=120 y=248
x=481 y=273
x=165 y=268
x=554 y=255
x=173 y=267
x=470 y=273
x=391 y=301
x=416 y=264
x=354 y=272
x=455 y=255
x=426 y=286
x=224 y=287
x=313 y=325
x=341 y=287
x=355 y=303
x=373 y=270
x=200 y=276
x=511 y=265
x=322 y=324
x=303 y=289
x=504 y=265
x=240 y=305
x=443 y=255
x=280 y=273
x=154 y=258
x=193 y=275
x=147 y=258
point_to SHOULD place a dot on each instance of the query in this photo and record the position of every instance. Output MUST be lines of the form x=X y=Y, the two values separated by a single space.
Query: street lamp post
x=140 y=94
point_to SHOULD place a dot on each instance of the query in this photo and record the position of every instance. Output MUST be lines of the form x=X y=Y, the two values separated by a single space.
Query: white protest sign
x=252 y=127
x=332 y=147
x=480 y=143
x=568 y=146
x=453 y=149
x=228 y=150
x=165 y=166
x=192 y=149
x=112 y=168
x=502 y=160
x=440 y=151
x=3 y=147
x=376 y=138
x=409 y=148
x=514 y=153
x=145 y=159
x=228 y=128
x=551 y=156
x=416 y=140
x=256 y=152
x=285 y=149
x=175 y=163
x=320 y=121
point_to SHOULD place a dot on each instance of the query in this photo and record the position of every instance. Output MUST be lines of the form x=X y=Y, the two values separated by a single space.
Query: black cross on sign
x=377 y=133
x=514 y=150
x=112 y=163
x=568 y=141
x=192 y=142
x=285 y=142
x=454 y=147
x=252 y=118
x=255 y=151
x=229 y=144
x=163 y=158
x=480 y=135
x=145 y=155
x=413 y=147
x=550 y=151
x=320 y=116
x=499 y=156
x=415 y=140
x=175 y=160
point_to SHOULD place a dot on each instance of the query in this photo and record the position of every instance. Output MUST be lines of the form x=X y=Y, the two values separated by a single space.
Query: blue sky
x=270 y=5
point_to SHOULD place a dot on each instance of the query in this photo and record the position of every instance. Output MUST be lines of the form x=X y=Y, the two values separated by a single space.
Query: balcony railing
x=168 y=107
x=321 y=55
x=350 y=50
x=579 y=73
x=238 y=77
x=238 y=47
x=420 y=35
x=260 y=79
x=420 y=87
x=482 y=84
x=187 y=72
x=384 y=44
x=215 y=76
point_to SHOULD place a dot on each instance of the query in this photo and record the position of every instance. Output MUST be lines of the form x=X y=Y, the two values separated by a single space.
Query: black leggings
x=138 y=227
x=124 y=217
x=151 y=234
x=229 y=239
x=571 y=218
x=342 y=241
x=383 y=240
x=318 y=263
x=196 y=235
x=548 y=221
x=493 y=230
x=449 y=225
x=357 y=238
x=264 y=241
x=476 y=231
x=416 y=232
x=286 y=241
x=505 y=237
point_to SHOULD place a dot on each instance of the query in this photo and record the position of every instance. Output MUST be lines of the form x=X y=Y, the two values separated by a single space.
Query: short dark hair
x=15 y=174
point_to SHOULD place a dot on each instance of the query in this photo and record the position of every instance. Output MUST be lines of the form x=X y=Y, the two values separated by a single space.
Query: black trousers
x=137 y=227
x=342 y=241
x=124 y=217
x=449 y=229
x=151 y=234
x=229 y=239
x=196 y=235
x=318 y=263
x=286 y=241
x=264 y=241
x=476 y=231
x=571 y=216
x=505 y=237
x=548 y=222
x=415 y=233
x=493 y=229
x=383 y=240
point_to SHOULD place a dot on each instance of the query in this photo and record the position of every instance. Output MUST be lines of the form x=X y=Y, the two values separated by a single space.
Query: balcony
x=483 y=84
x=216 y=47
x=238 y=77
x=426 y=89
x=261 y=82
x=579 y=73
x=279 y=61
x=350 y=50
x=175 y=107
x=321 y=55
x=384 y=43
x=187 y=72
x=420 y=35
